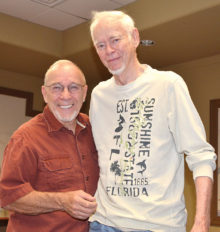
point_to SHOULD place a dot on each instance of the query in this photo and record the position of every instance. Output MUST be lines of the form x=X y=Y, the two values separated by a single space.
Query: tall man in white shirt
x=143 y=122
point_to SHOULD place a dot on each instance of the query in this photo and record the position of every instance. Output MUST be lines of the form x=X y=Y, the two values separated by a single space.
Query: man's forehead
x=108 y=32
x=65 y=73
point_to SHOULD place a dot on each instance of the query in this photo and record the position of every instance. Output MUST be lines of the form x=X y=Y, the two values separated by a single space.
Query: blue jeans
x=98 y=227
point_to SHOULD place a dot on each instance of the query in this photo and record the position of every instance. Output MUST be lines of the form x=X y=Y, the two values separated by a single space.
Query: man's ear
x=44 y=93
x=136 y=37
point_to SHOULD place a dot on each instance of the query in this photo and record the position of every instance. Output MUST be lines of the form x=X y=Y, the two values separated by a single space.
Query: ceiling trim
x=50 y=3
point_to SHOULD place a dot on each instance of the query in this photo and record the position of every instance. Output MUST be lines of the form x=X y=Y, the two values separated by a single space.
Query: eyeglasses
x=57 y=88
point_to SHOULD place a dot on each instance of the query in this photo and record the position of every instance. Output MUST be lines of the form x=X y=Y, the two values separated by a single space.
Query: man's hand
x=78 y=204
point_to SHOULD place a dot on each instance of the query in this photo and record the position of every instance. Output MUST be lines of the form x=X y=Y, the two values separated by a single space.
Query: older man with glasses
x=50 y=171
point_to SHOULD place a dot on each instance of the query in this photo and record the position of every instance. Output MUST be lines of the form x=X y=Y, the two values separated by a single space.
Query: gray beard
x=69 y=119
x=118 y=71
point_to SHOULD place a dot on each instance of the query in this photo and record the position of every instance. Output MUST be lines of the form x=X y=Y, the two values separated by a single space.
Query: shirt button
x=83 y=157
x=87 y=178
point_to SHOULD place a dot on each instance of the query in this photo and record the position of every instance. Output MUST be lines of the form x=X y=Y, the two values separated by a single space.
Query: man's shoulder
x=103 y=85
x=166 y=75
x=30 y=126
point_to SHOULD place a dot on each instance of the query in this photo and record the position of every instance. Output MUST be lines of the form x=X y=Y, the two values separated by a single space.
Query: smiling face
x=115 y=46
x=64 y=103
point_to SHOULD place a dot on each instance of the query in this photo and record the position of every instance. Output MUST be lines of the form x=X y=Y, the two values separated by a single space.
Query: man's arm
x=78 y=204
x=203 y=201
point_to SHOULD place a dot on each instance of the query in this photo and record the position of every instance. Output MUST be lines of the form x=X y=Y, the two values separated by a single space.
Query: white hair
x=117 y=16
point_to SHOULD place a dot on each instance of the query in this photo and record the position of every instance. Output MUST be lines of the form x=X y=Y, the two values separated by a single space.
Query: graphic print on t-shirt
x=132 y=139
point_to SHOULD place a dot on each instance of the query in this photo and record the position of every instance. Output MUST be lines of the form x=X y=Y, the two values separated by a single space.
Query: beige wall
x=30 y=36
x=25 y=83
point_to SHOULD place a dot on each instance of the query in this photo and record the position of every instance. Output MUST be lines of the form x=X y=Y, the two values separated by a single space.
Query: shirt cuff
x=203 y=170
x=15 y=193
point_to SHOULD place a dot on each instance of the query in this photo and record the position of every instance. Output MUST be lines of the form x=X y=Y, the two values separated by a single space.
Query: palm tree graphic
x=115 y=167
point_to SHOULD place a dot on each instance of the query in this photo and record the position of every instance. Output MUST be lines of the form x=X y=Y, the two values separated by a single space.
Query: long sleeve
x=188 y=131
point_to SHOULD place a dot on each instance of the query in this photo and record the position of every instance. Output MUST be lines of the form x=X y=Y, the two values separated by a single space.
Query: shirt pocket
x=58 y=173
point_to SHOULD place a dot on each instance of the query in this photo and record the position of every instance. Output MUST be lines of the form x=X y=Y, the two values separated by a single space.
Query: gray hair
x=118 y=16
x=60 y=63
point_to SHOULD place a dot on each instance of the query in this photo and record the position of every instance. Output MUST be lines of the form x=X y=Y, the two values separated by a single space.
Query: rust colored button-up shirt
x=43 y=155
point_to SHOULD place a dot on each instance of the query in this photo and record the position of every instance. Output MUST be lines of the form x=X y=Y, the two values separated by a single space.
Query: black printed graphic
x=131 y=152
x=121 y=121
x=115 y=167
x=142 y=165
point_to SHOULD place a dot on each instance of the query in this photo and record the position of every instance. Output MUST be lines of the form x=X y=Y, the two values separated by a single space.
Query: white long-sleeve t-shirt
x=142 y=131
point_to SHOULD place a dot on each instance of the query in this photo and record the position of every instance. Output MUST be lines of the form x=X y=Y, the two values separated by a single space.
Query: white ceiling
x=57 y=14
